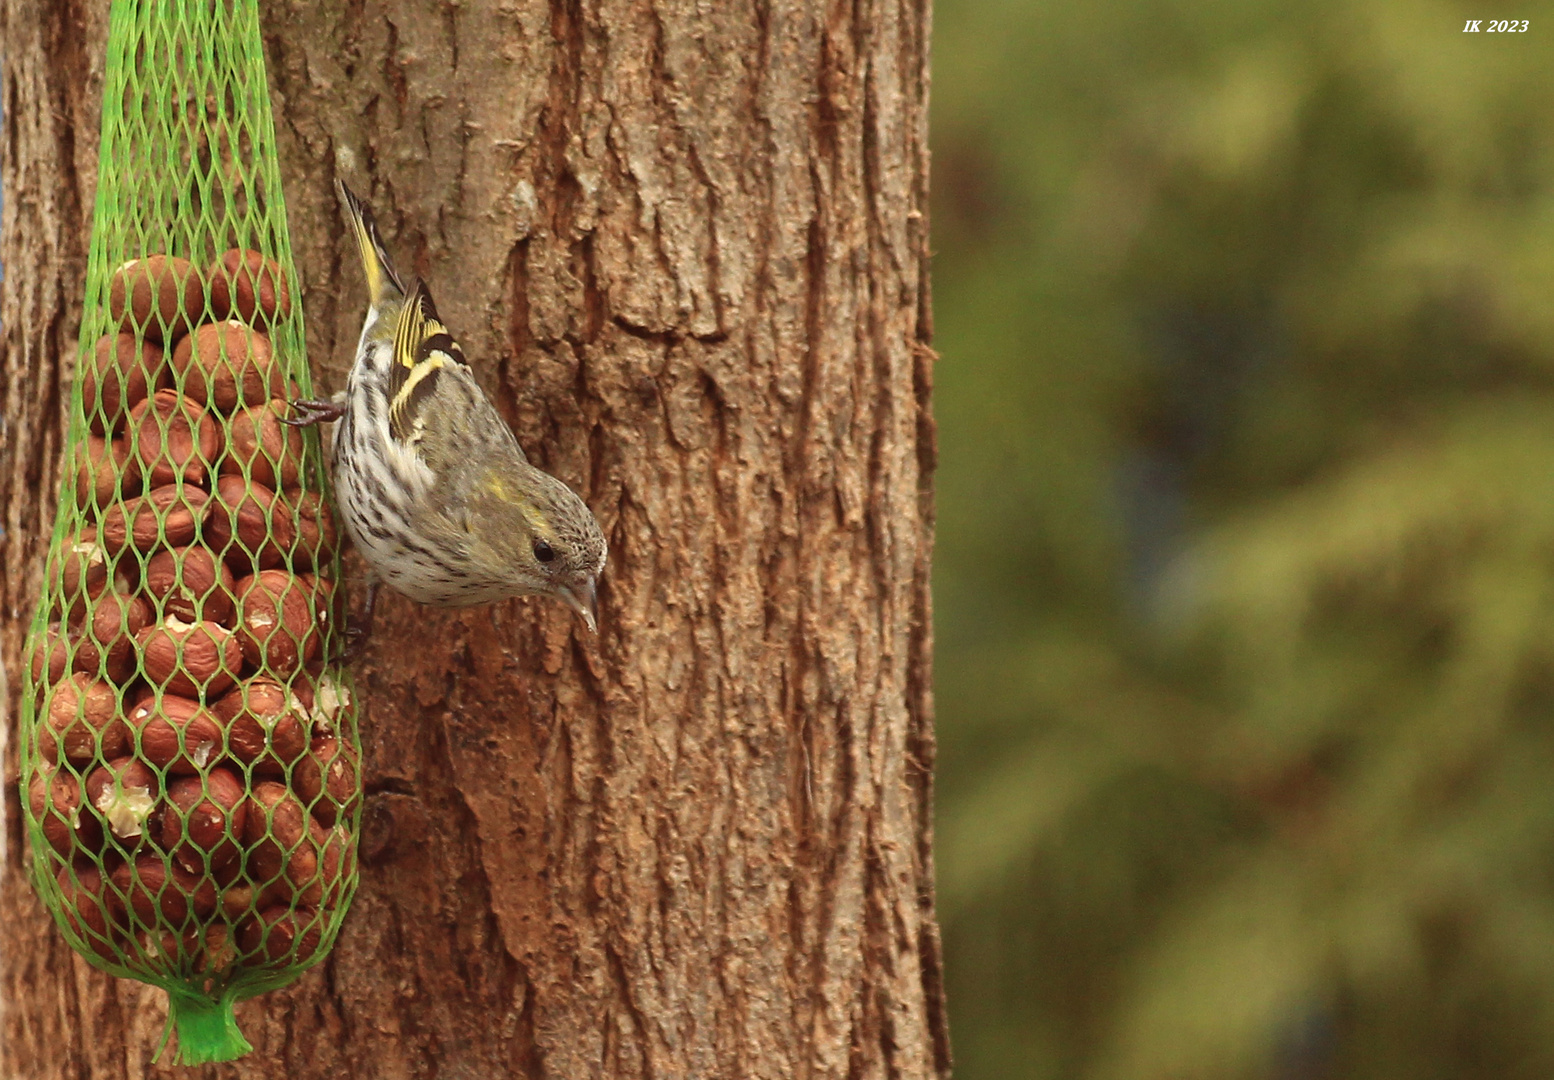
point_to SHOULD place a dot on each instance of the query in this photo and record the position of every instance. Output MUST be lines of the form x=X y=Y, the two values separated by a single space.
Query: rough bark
x=686 y=244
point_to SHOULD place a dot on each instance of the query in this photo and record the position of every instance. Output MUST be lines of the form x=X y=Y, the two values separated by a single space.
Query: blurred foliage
x=1245 y=568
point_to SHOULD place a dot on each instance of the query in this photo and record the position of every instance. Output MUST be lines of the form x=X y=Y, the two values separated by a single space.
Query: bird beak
x=585 y=601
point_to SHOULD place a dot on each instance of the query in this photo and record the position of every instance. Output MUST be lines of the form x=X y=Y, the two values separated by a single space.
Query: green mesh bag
x=190 y=757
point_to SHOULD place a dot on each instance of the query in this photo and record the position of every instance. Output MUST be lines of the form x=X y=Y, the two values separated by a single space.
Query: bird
x=430 y=482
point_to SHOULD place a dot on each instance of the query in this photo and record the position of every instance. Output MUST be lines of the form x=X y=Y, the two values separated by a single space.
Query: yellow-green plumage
x=431 y=483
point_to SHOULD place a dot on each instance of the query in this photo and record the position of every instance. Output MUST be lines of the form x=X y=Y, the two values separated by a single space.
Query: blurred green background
x=1245 y=563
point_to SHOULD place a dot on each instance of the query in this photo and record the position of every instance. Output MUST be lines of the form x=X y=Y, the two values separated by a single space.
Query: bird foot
x=357 y=634
x=358 y=629
x=313 y=411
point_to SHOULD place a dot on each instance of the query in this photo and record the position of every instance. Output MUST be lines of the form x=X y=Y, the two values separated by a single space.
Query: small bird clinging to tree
x=431 y=484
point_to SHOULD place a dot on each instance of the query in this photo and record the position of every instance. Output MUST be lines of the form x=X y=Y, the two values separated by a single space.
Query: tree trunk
x=685 y=245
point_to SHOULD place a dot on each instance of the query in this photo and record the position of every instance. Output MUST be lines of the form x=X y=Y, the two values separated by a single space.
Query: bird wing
x=423 y=352
x=382 y=281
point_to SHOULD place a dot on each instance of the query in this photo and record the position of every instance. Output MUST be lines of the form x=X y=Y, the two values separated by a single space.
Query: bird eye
x=543 y=551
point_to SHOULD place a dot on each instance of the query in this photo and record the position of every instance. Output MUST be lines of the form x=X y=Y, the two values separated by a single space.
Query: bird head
x=548 y=540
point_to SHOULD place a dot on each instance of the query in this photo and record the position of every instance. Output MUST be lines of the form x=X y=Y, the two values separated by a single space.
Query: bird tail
x=382 y=281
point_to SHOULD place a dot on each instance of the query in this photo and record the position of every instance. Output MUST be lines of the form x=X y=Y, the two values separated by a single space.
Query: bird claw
x=314 y=411
x=357 y=634
x=358 y=629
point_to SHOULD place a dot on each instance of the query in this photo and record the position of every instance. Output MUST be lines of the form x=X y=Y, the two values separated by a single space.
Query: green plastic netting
x=190 y=756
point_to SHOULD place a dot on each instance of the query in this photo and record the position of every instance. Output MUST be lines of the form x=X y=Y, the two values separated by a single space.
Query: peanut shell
x=177 y=734
x=122 y=794
x=156 y=888
x=269 y=449
x=190 y=659
x=326 y=779
x=174 y=438
x=277 y=623
x=105 y=470
x=245 y=285
x=80 y=721
x=279 y=935
x=275 y=829
x=266 y=724
x=54 y=797
x=90 y=906
x=117 y=376
x=191 y=584
x=225 y=364
x=250 y=525
x=169 y=515
x=158 y=297
x=203 y=818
